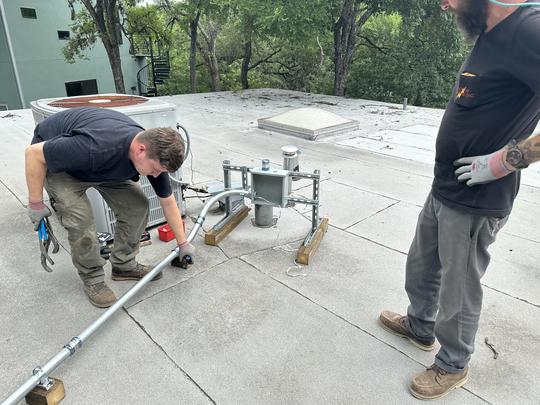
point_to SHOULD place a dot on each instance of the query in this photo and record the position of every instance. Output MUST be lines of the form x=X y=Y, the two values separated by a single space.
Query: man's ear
x=141 y=148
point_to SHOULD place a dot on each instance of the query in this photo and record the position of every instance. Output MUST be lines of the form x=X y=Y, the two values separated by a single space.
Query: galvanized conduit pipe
x=42 y=373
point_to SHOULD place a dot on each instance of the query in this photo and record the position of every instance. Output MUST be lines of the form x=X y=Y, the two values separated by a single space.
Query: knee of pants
x=77 y=222
x=138 y=205
x=135 y=214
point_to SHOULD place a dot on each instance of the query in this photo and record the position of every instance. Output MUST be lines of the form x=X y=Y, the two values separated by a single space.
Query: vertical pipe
x=315 y=207
x=11 y=53
x=227 y=185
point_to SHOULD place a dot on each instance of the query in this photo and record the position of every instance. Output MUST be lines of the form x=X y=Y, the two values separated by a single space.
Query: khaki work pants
x=127 y=201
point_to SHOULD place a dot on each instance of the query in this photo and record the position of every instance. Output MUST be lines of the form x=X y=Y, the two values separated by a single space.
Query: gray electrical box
x=269 y=187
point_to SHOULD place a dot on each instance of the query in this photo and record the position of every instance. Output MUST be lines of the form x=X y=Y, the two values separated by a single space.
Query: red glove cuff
x=497 y=166
x=36 y=206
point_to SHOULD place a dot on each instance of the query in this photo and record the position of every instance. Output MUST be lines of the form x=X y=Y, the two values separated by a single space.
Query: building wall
x=8 y=86
x=42 y=69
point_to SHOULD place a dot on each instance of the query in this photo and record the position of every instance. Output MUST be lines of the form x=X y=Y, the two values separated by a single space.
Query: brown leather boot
x=136 y=273
x=435 y=382
x=100 y=295
x=395 y=323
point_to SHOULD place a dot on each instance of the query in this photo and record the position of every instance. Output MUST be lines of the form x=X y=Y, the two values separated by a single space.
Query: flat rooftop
x=237 y=327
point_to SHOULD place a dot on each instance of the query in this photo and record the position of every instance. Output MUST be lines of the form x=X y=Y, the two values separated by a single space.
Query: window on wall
x=81 y=88
x=28 y=12
x=64 y=35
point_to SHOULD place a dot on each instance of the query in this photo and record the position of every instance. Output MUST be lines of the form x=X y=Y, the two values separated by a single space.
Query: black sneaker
x=137 y=273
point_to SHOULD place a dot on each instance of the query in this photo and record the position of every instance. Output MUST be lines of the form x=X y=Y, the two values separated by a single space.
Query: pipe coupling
x=73 y=345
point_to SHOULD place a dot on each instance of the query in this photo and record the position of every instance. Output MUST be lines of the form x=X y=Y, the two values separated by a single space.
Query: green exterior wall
x=42 y=69
x=9 y=94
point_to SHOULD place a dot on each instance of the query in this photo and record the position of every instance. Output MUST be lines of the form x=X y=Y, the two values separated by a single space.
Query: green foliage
x=83 y=38
x=404 y=57
x=408 y=48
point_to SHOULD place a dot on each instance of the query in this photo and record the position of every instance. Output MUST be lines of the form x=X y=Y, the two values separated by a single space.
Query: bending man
x=76 y=149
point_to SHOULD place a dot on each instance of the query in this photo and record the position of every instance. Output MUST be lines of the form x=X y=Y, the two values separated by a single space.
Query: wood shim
x=40 y=396
x=306 y=252
x=213 y=237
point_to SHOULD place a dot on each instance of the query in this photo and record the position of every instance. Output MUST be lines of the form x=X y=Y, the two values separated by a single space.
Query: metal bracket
x=44 y=381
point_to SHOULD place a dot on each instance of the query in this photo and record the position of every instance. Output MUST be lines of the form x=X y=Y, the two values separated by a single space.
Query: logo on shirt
x=464 y=92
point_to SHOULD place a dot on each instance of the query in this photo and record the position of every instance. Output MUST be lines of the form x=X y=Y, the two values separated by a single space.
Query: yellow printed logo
x=464 y=92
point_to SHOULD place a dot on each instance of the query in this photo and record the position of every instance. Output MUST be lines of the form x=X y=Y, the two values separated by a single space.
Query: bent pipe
x=186 y=152
x=42 y=373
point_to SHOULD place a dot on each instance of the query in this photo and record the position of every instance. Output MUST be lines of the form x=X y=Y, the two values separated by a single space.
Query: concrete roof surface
x=243 y=325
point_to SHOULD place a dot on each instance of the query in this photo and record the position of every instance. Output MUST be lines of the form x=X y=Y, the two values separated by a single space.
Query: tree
x=99 y=19
x=354 y=14
x=209 y=32
x=413 y=54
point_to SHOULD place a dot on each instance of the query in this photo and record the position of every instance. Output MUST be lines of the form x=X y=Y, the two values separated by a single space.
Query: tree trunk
x=208 y=53
x=116 y=67
x=345 y=30
x=105 y=16
x=193 y=28
x=245 y=65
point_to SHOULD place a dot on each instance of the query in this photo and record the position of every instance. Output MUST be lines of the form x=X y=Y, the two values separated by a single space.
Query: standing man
x=79 y=148
x=495 y=103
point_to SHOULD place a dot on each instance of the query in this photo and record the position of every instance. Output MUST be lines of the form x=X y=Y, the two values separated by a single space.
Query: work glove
x=185 y=255
x=481 y=169
x=37 y=211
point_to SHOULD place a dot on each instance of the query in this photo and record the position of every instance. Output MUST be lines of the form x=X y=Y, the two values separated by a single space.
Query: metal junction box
x=269 y=187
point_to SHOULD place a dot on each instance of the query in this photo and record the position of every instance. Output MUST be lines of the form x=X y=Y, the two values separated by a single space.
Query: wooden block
x=306 y=252
x=213 y=237
x=40 y=396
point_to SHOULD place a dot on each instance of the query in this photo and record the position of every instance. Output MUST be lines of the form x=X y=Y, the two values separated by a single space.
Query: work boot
x=435 y=382
x=396 y=324
x=100 y=295
x=138 y=272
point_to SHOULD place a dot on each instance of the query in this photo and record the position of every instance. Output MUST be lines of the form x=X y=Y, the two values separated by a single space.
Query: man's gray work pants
x=74 y=211
x=448 y=257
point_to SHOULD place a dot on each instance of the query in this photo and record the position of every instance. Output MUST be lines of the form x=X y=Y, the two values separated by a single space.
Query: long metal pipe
x=12 y=53
x=70 y=348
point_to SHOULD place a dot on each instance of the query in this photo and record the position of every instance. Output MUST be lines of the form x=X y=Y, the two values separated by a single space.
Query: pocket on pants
x=496 y=224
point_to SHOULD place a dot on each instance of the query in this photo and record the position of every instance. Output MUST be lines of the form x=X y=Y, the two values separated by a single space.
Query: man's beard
x=472 y=18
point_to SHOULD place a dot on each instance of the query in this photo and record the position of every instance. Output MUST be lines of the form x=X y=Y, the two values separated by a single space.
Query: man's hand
x=37 y=211
x=482 y=169
x=186 y=254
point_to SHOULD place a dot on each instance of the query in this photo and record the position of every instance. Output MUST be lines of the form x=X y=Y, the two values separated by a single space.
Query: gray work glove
x=186 y=254
x=481 y=169
x=37 y=211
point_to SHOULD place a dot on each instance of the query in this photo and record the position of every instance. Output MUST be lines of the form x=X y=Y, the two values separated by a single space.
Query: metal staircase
x=157 y=69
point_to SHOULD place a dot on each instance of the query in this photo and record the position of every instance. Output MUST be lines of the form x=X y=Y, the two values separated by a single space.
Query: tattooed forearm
x=530 y=149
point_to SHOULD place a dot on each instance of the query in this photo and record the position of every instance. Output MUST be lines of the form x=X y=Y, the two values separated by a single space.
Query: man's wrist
x=507 y=164
x=36 y=205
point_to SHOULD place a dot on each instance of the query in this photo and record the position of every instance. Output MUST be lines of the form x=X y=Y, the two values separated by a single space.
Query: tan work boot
x=100 y=295
x=137 y=273
x=395 y=323
x=435 y=382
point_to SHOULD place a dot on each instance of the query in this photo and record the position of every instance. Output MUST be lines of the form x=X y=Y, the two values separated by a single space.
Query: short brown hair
x=164 y=145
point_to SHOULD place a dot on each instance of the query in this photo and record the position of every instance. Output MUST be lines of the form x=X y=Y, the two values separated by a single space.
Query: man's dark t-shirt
x=92 y=145
x=496 y=100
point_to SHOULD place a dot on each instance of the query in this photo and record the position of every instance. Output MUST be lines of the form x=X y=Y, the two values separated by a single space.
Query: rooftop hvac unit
x=149 y=113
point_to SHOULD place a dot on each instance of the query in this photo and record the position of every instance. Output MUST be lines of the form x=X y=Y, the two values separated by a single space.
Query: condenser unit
x=149 y=113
